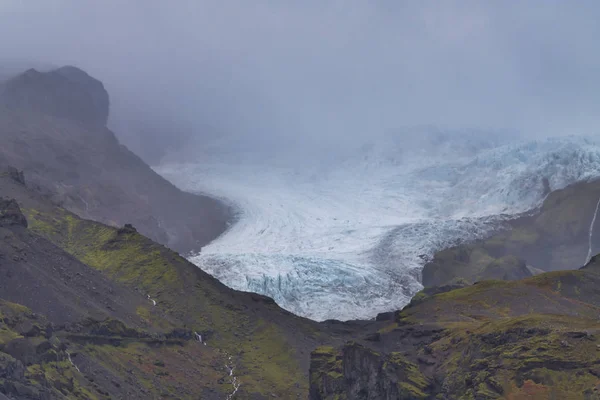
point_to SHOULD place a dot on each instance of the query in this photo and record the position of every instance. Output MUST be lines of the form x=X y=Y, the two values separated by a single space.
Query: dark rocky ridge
x=10 y=214
x=52 y=127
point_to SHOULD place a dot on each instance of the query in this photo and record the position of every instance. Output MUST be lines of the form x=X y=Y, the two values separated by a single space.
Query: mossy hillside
x=125 y=256
x=497 y=359
x=66 y=382
x=515 y=339
x=509 y=339
x=44 y=369
x=412 y=383
x=534 y=338
x=580 y=286
x=113 y=359
x=266 y=360
x=161 y=371
x=550 y=293
x=10 y=315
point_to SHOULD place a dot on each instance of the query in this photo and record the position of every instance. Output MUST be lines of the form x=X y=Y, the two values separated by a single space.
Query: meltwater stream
x=346 y=238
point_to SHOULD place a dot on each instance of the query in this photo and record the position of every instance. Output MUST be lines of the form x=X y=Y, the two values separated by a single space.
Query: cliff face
x=356 y=372
x=555 y=237
x=52 y=127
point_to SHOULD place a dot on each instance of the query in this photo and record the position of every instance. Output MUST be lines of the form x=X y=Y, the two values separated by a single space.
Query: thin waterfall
x=71 y=361
x=589 y=254
x=234 y=380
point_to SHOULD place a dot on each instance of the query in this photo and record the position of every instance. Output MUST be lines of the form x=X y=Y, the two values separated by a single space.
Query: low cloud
x=315 y=70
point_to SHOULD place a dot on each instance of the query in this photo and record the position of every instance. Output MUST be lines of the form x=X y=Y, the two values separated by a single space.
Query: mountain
x=52 y=127
x=66 y=92
x=96 y=310
x=562 y=234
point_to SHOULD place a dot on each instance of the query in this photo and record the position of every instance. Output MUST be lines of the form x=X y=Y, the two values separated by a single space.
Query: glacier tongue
x=345 y=237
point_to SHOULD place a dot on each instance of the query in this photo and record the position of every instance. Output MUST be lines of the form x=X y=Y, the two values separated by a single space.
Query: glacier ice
x=345 y=237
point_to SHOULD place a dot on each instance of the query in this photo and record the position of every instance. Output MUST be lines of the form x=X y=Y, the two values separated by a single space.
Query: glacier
x=343 y=233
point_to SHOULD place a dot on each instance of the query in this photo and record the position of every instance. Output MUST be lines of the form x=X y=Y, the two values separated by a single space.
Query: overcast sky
x=327 y=68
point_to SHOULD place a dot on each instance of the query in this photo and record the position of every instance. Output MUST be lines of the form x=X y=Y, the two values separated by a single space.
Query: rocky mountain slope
x=562 y=234
x=129 y=313
x=52 y=127
x=96 y=310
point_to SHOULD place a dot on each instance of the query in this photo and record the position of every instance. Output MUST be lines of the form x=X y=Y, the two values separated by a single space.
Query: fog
x=307 y=72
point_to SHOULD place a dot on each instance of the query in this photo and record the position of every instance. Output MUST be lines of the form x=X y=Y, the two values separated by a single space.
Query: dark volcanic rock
x=10 y=214
x=67 y=92
x=10 y=368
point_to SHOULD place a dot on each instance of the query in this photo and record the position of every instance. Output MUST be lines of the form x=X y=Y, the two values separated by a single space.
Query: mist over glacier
x=312 y=71
x=290 y=111
x=345 y=236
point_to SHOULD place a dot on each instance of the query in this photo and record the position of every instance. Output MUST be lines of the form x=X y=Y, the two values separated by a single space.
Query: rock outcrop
x=532 y=338
x=10 y=214
x=52 y=129
x=357 y=372
x=67 y=92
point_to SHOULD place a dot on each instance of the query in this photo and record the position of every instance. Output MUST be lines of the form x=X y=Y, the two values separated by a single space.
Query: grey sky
x=327 y=68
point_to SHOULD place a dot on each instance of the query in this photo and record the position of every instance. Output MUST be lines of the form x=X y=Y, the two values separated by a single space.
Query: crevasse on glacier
x=344 y=236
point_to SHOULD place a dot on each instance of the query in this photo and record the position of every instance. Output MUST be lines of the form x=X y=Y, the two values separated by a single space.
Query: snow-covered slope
x=345 y=236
